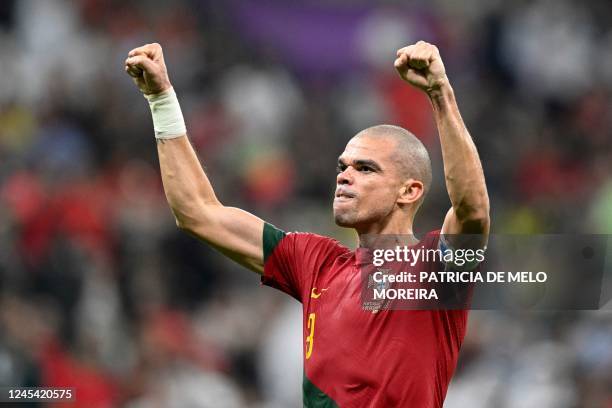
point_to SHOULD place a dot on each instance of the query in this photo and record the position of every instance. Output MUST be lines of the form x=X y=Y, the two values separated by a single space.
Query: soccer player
x=352 y=357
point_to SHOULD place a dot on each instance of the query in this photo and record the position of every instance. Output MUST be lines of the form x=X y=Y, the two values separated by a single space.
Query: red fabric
x=392 y=358
x=93 y=388
x=170 y=333
x=543 y=174
x=408 y=108
x=78 y=211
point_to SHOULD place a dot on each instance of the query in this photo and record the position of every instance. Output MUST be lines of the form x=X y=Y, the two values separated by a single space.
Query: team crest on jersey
x=376 y=305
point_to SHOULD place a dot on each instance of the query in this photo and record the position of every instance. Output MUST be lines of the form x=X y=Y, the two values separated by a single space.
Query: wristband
x=168 y=119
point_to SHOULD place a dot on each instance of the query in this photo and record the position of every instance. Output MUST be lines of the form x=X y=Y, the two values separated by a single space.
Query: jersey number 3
x=310 y=338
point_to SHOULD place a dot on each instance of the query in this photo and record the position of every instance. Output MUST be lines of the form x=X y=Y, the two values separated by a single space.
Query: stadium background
x=99 y=289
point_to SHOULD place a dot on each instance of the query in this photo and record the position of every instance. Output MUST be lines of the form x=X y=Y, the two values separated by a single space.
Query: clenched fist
x=420 y=65
x=147 y=68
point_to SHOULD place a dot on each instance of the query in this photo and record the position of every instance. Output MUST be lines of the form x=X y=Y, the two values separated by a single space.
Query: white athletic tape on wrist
x=168 y=119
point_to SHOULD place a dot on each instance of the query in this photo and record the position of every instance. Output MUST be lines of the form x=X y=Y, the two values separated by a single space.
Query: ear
x=410 y=192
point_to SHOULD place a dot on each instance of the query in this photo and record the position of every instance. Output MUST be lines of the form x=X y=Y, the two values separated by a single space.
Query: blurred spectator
x=99 y=291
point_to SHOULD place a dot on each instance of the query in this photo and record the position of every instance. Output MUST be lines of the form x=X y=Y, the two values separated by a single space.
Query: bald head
x=409 y=154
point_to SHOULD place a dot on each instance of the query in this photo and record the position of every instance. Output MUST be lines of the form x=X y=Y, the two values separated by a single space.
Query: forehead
x=379 y=149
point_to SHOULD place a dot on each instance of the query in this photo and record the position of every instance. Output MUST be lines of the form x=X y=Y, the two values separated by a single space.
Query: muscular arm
x=420 y=65
x=190 y=195
x=232 y=231
x=463 y=173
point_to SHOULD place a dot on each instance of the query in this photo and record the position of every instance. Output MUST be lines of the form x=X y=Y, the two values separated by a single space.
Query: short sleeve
x=293 y=260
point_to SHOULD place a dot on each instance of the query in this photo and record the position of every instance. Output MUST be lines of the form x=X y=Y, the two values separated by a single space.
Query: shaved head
x=383 y=175
x=410 y=155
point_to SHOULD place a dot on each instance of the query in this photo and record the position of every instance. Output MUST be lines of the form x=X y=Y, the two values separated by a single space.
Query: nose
x=344 y=177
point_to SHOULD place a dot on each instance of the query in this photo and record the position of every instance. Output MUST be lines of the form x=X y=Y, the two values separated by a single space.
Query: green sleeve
x=271 y=237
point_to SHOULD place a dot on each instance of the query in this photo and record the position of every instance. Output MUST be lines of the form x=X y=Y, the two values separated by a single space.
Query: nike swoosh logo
x=317 y=295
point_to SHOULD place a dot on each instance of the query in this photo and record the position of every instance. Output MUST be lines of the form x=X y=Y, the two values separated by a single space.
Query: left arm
x=421 y=66
x=463 y=173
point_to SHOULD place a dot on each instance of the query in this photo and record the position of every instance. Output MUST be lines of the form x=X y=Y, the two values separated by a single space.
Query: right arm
x=234 y=232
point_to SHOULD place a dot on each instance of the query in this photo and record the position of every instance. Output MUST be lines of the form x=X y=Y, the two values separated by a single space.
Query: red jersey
x=355 y=358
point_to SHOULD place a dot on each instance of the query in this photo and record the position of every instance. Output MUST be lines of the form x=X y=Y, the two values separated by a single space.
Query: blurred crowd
x=100 y=291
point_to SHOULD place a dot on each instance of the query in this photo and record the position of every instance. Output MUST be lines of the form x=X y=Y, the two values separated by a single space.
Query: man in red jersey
x=352 y=356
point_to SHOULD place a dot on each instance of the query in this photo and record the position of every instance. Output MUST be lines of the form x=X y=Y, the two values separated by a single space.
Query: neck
x=394 y=225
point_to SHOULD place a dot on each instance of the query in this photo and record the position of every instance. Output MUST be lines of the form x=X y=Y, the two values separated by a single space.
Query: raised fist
x=147 y=68
x=420 y=65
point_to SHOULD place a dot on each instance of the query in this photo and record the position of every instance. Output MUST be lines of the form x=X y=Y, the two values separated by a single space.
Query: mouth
x=343 y=195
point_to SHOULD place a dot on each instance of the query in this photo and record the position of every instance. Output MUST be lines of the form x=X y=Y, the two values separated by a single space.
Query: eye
x=366 y=169
x=340 y=168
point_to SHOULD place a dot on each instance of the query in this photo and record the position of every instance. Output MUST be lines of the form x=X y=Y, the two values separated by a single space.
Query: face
x=368 y=182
